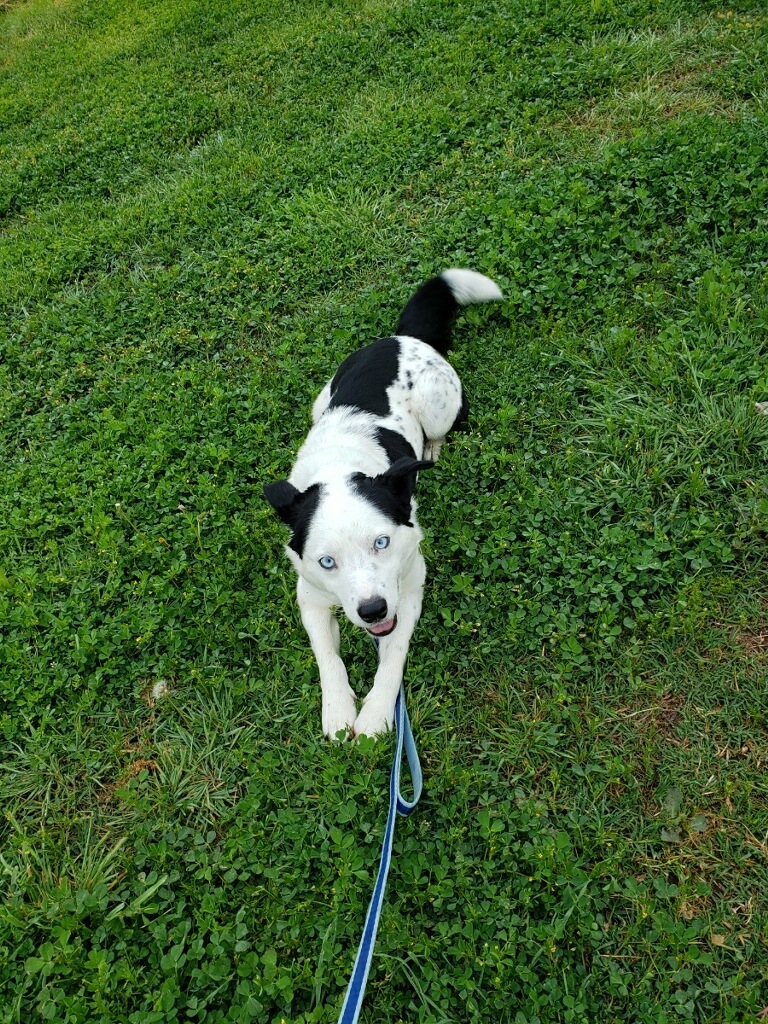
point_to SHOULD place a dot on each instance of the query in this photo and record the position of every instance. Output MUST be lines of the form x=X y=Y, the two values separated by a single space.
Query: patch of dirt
x=755 y=639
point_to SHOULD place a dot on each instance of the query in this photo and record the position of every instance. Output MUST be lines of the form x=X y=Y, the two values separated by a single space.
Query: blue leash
x=353 y=1000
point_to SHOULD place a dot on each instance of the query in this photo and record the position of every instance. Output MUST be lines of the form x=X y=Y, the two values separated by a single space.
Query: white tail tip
x=468 y=286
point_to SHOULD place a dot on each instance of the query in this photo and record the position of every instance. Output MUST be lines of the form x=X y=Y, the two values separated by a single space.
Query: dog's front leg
x=378 y=711
x=339 y=709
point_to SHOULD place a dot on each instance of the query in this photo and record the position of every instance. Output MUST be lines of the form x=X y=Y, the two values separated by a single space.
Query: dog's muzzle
x=374 y=612
x=383 y=628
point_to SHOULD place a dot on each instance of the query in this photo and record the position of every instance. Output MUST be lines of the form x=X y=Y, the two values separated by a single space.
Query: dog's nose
x=372 y=611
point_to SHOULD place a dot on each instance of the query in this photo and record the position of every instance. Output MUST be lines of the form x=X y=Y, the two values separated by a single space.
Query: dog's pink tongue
x=382 y=627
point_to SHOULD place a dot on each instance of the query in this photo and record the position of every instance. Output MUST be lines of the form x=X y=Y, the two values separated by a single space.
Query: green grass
x=204 y=208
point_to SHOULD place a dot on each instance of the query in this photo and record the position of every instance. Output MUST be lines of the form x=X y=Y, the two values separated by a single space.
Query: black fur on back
x=361 y=381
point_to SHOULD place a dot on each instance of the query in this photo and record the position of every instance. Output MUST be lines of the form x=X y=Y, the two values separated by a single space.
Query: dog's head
x=354 y=539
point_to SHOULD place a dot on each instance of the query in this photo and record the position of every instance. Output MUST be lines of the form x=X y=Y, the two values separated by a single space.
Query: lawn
x=205 y=207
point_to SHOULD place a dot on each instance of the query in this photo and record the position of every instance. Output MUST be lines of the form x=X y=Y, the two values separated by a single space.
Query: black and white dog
x=349 y=500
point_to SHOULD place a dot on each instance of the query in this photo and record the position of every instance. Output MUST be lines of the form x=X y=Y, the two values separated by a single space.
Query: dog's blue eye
x=327 y=562
x=380 y=543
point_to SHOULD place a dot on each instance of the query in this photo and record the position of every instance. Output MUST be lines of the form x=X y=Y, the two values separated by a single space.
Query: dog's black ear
x=295 y=508
x=283 y=497
x=401 y=475
x=391 y=491
x=406 y=466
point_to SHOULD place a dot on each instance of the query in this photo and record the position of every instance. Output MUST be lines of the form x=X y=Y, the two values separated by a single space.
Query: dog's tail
x=430 y=312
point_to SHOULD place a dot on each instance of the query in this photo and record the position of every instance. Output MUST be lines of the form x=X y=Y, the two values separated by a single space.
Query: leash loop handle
x=353 y=1000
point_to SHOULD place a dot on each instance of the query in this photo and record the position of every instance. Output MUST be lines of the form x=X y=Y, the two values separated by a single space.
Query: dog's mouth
x=382 y=628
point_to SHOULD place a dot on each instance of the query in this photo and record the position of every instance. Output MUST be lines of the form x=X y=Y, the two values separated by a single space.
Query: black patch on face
x=295 y=508
x=363 y=378
x=394 y=444
x=391 y=492
x=396 y=507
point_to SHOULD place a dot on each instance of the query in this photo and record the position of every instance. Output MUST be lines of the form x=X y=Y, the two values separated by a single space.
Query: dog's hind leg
x=378 y=711
x=339 y=709
x=438 y=401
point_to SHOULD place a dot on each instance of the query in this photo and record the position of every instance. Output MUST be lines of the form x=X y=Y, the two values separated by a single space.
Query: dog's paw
x=339 y=716
x=432 y=449
x=376 y=717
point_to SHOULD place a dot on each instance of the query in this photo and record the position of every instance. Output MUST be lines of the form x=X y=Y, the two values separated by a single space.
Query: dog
x=349 y=500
